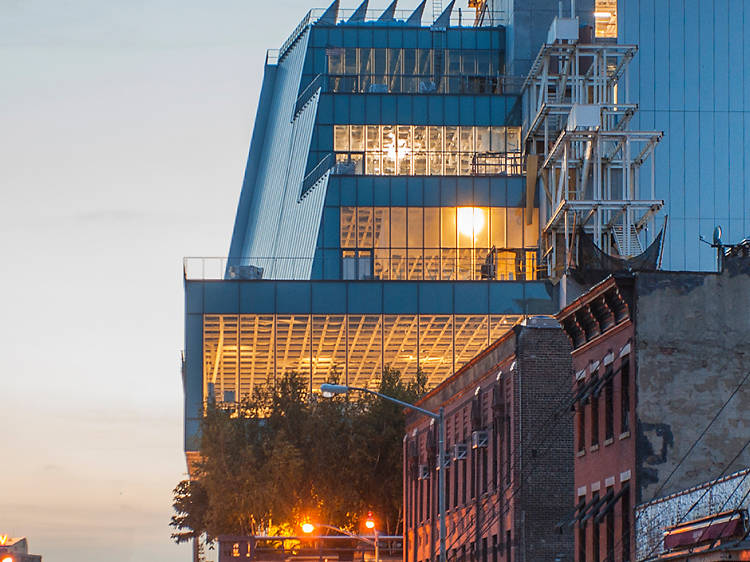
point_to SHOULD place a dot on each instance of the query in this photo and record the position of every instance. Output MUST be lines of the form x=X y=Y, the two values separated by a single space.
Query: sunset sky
x=124 y=128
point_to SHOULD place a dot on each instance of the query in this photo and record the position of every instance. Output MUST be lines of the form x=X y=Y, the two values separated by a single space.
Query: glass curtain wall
x=414 y=71
x=413 y=150
x=438 y=243
x=242 y=352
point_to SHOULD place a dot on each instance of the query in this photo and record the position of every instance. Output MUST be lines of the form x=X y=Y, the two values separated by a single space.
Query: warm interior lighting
x=8 y=559
x=602 y=15
x=470 y=221
x=308 y=528
x=370 y=521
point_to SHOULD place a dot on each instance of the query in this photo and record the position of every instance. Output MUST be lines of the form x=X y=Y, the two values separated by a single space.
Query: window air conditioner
x=424 y=472
x=459 y=452
x=447 y=457
x=478 y=439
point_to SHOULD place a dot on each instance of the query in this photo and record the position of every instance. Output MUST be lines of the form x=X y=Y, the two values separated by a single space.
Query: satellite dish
x=717 y=236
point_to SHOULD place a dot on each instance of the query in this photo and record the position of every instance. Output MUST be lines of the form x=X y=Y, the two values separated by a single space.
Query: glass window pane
x=451 y=139
x=432 y=264
x=381 y=225
x=465 y=262
x=467 y=139
x=372 y=164
x=373 y=138
x=335 y=61
x=400 y=334
x=450 y=163
x=448 y=258
x=420 y=163
x=497 y=227
x=481 y=227
x=414 y=264
x=483 y=139
x=465 y=163
x=388 y=148
x=293 y=344
x=435 y=139
x=329 y=349
x=436 y=347
x=515 y=227
x=381 y=265
x=513 y=139
x=364 y=343
x=398 y=227
x=436 y=163
x=357 y=138
x=497 y=139
x=398 y=263
x=471 y=337
x=448 y=227
x=404 y=149
x=415 y=227
x=420 y=138
x=531 y=231
x=341 y=138
x=348 y=228
x=432 y=227
x=364 y=227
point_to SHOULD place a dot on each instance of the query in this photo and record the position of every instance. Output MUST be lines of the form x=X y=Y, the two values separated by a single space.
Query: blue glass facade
x=691 y=78
x=409 y=243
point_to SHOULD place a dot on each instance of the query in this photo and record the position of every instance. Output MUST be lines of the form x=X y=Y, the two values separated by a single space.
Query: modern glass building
x=691 y=79
x=384 y=218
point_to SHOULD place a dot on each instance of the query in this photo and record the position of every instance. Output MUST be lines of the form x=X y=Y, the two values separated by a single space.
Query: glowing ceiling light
x=602 y=15
x=308 y=528
x=470 y=221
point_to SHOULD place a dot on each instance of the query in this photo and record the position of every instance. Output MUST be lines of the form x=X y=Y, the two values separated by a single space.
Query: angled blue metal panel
x=257 y=298
x=193 y=379
x=435 y=298
x=399 y=298
x=365 y=297
x=470 y=294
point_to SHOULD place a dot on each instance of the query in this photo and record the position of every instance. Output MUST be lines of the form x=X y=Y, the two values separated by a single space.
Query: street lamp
x=331 y=389
x=308 y=528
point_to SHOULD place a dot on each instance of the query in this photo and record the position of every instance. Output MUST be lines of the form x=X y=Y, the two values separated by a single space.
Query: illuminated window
x=605 y=17
x=244 y=351
x=435 y=243
x=415 y=150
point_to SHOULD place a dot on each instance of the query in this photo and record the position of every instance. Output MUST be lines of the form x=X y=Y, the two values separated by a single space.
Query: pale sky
x=124 y=129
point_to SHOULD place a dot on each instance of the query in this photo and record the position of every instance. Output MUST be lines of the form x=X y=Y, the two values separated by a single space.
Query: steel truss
x=580 y=155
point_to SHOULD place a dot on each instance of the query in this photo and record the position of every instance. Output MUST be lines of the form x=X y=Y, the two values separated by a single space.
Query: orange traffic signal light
x=370 y=521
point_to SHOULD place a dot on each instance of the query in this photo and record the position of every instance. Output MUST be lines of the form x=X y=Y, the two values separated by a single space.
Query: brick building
x=508 y=457
x=660 y=363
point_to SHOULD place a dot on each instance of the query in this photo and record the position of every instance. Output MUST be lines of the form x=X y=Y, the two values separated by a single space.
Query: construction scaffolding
x=580 y=156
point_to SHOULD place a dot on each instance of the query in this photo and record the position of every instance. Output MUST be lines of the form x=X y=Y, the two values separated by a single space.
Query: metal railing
x=462 y=18
x=272 y=57
x=364 y=265
x=424 y=84
x=458 y=19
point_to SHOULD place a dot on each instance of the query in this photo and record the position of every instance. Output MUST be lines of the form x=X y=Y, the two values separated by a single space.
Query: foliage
x=283 y=456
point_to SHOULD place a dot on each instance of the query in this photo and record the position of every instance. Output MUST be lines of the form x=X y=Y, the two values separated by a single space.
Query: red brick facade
x=508 y=454
x=600 y=327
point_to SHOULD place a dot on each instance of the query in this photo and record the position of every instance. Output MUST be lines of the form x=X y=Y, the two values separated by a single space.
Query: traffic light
x=370 y=521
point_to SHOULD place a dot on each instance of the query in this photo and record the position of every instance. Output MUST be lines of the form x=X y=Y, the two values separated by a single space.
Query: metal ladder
x=437 y=9
x=630 y=247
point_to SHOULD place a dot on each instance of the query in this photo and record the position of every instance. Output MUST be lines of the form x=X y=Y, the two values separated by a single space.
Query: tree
x=282 y=456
